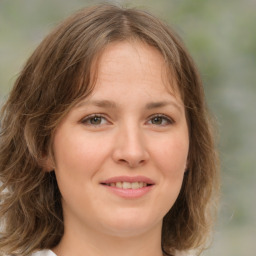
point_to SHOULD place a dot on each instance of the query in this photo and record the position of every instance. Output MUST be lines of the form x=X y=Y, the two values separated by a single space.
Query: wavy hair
x=56 y=77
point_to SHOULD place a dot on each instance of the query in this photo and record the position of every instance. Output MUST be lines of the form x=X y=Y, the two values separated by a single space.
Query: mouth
x=127 y=185
x=128 y=182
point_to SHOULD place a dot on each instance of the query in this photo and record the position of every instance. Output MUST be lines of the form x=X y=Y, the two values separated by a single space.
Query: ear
x=47 y=164
x=188 y=161
x=186 y=167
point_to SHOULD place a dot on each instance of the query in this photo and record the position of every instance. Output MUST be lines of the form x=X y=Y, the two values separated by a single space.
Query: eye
x=161 y=120
x=94 y=120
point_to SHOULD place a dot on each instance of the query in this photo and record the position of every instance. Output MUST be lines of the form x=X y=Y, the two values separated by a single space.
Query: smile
x=128 y=185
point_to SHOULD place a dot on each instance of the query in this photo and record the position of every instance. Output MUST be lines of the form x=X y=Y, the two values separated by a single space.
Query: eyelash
x=167 y=119
x=87 y=119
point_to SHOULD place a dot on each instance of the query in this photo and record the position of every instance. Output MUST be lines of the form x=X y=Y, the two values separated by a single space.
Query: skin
x=130 y=136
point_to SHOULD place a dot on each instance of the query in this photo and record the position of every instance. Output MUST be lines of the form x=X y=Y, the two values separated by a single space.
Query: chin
x=130 y=226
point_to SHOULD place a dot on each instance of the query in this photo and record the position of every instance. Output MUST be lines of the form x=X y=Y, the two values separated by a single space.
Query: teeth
x=119 y=185
x=128 y=185
x=135 y=185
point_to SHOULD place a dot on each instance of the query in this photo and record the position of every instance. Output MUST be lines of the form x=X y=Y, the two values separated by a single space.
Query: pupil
x=96 y=120
x=157 y=120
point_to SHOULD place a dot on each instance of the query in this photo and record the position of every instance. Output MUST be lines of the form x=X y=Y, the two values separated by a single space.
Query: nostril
x=130 y=163
x=131 y=158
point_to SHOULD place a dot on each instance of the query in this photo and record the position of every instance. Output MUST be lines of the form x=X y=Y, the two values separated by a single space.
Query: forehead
x=128 y=62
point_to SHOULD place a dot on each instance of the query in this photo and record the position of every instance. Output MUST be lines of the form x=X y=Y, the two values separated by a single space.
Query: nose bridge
x=130 y=145
x=133 y=137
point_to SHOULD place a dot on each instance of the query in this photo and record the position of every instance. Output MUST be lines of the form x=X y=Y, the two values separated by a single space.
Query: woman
x=106 y=145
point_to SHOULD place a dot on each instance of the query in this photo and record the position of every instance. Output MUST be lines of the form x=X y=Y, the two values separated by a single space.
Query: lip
x=128 y=179
x=129 y=193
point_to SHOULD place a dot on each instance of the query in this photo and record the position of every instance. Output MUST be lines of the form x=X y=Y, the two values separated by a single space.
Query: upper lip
x=130 y=179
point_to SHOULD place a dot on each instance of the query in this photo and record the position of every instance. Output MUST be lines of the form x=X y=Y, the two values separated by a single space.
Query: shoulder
x=44 y=253
x=184 y=253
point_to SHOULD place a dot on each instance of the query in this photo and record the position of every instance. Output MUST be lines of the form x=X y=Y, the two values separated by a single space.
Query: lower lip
x=130 y=193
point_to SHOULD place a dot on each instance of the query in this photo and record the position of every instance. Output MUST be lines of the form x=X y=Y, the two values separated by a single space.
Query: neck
x=90 y=243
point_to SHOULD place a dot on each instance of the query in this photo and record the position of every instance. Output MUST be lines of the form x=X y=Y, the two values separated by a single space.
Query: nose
x=130 y=148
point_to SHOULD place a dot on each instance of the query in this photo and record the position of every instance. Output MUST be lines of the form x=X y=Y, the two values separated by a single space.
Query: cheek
x=78 y=159
x=172 y=157
x=78 y=154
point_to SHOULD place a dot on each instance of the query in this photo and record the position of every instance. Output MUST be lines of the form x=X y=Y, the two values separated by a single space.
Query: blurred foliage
x=221 y=37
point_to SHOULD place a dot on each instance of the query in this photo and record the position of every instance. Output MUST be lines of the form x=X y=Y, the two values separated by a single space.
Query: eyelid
x=165 y=117
x=169 y=119
x=88 y=117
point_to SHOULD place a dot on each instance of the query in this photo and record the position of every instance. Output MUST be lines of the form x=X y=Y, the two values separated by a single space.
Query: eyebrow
x=153 y=105
x=111 y=104
x=98 y=103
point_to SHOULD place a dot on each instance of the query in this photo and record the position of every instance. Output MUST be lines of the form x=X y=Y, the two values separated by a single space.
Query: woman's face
x=121 y=153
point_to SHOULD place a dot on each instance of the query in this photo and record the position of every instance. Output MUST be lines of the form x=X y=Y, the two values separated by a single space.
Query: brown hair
x=54 y=79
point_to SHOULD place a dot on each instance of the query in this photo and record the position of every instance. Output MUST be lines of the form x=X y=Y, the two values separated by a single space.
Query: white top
x=44 y=253
x=51 y=253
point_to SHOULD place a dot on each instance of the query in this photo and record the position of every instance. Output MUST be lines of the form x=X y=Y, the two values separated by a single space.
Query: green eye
x=95 y=120
x=157 y=120
x=161 y=120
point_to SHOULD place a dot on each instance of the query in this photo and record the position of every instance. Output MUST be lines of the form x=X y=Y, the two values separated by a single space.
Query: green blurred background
x=221 y=36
